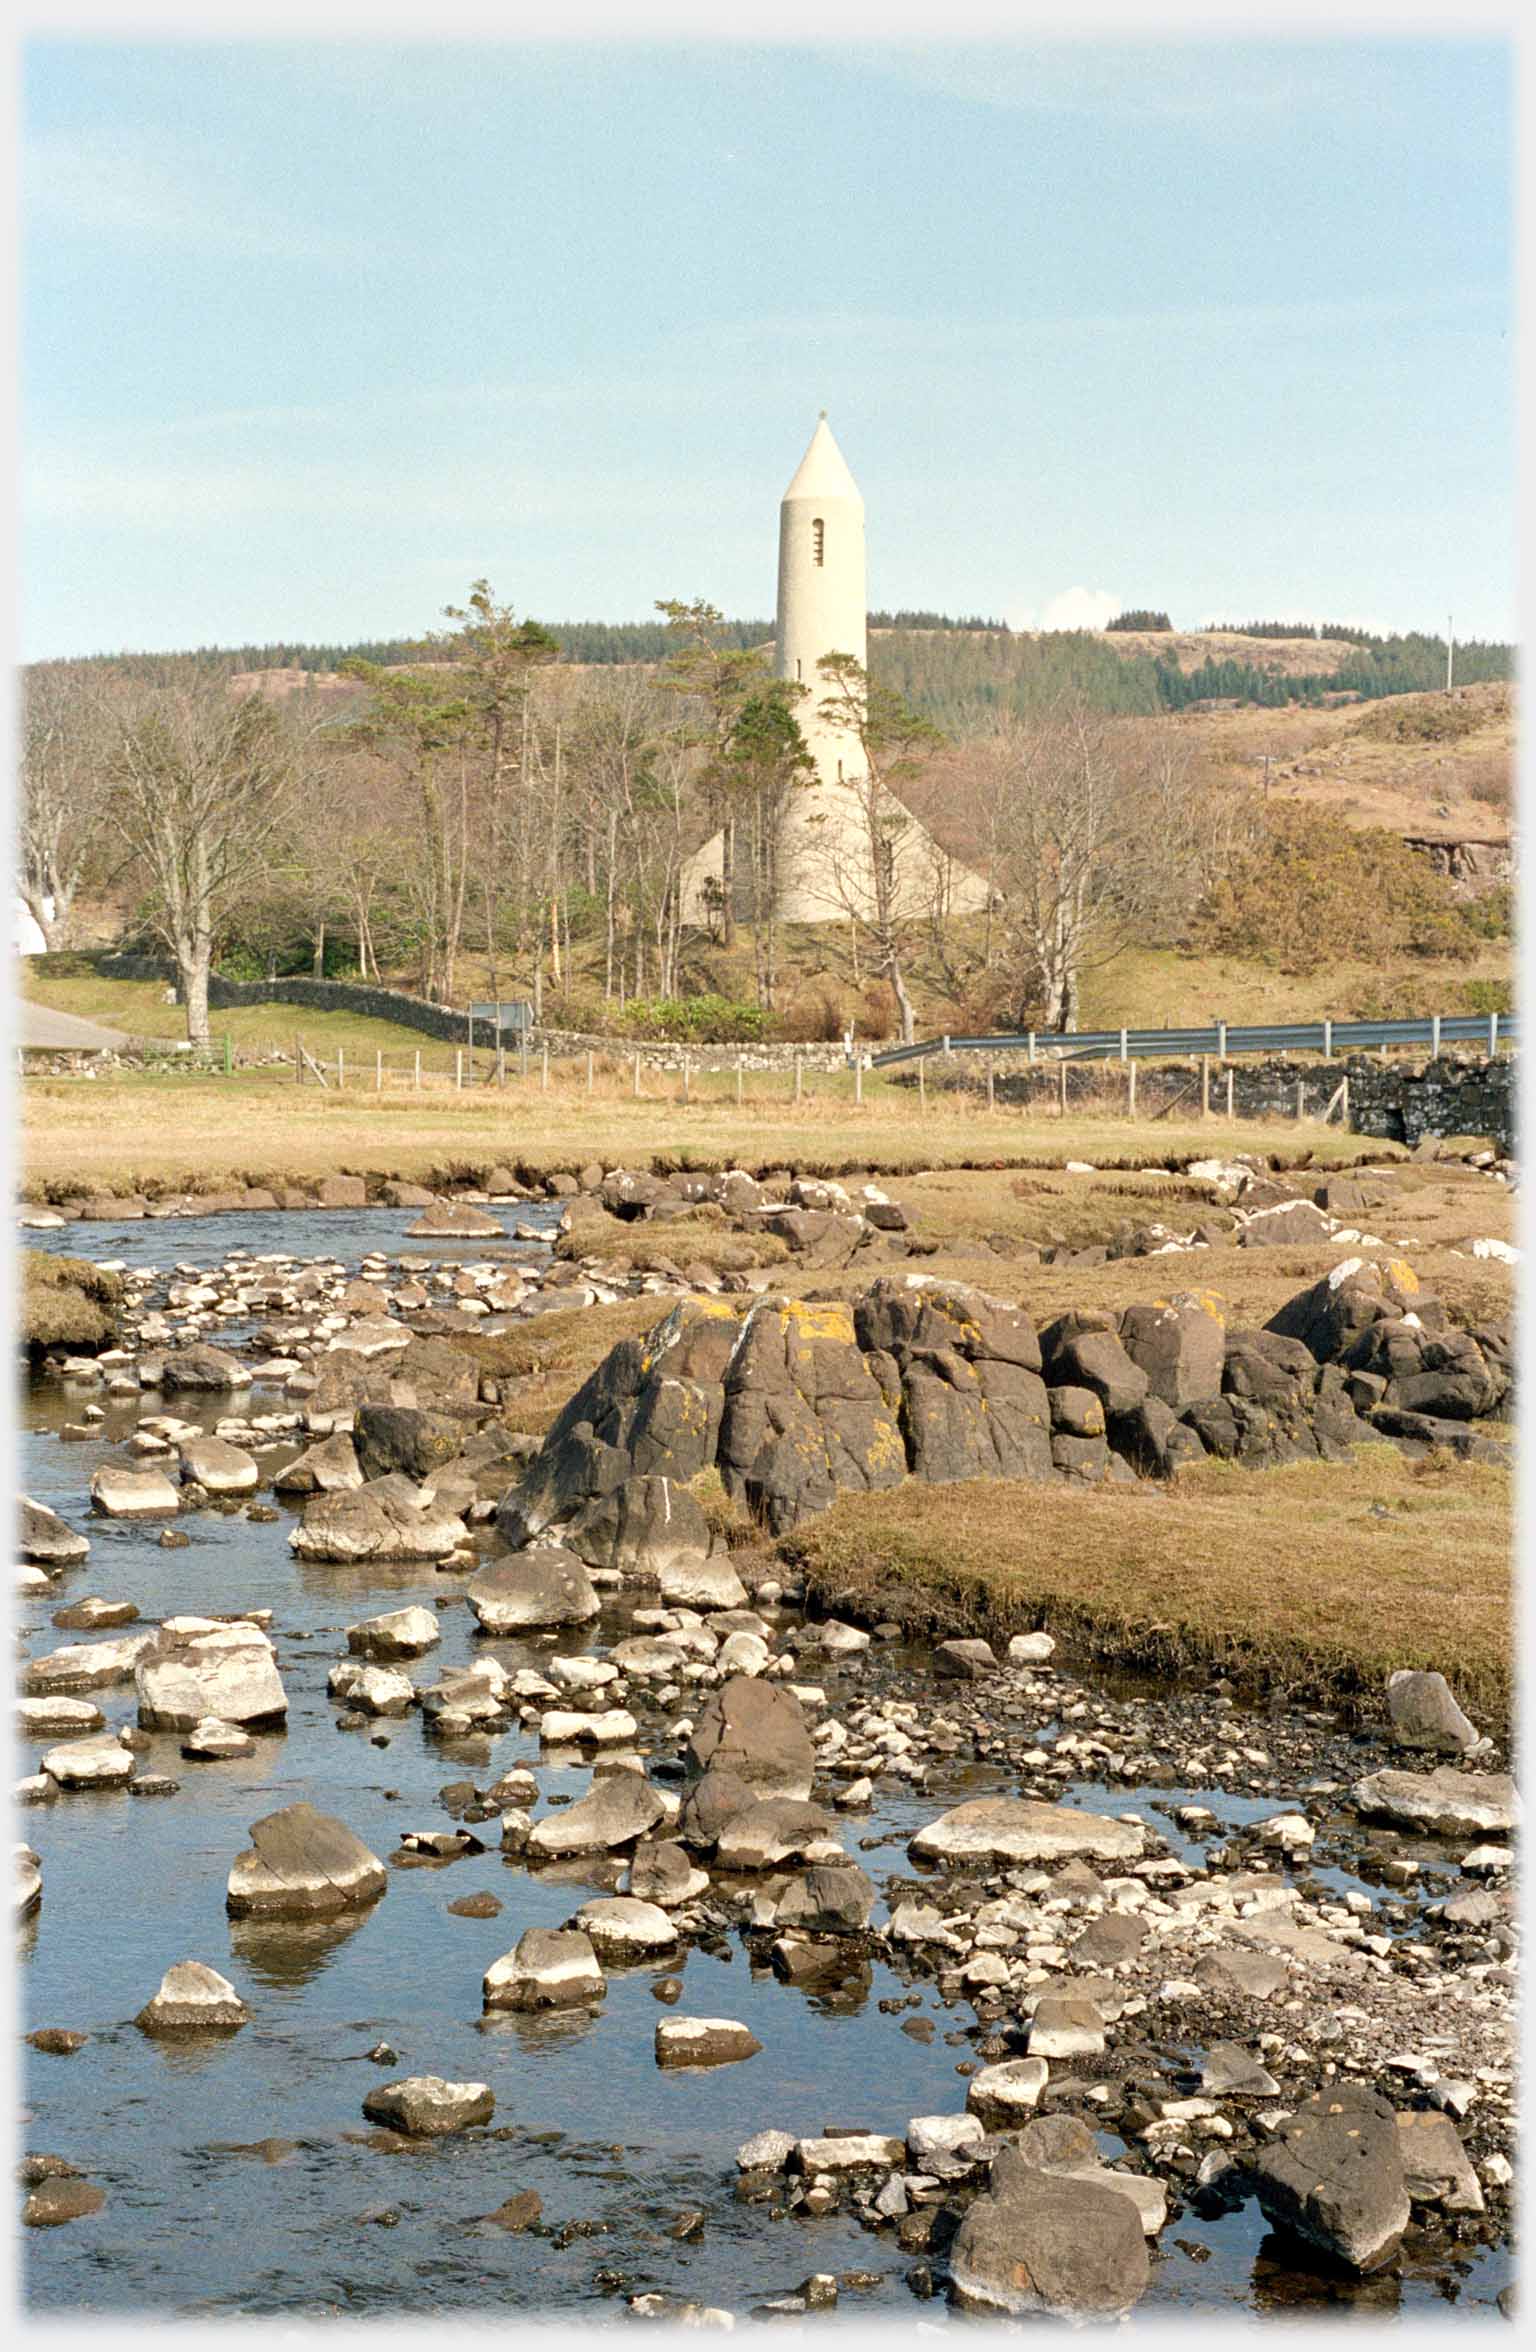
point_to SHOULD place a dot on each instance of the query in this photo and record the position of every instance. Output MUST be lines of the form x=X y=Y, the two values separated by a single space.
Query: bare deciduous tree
x=873 y=873
x=202 y=783
x=65 y=790
x=1098 y=829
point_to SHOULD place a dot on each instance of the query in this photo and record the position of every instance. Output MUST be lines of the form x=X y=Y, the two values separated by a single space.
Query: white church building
x=825 y=853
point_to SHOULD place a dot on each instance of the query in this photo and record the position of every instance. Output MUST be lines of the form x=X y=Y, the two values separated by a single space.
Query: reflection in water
x=187 y=2054
x=1278 y=2285
x=538 y=2033
x=291 y=1952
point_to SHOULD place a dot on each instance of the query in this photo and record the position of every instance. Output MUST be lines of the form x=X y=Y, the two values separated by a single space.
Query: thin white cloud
x=70 y=484
x=1069 y=608
x=1228 y=88
x=158 y=193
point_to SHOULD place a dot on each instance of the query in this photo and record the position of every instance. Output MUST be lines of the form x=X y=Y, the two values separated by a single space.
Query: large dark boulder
x=301 y=1863
x=1153 y=1439
x=1334 y=2177
x=1078 y=1355
x=756 y=1731
x=1180 y=1344
x=202 y=1367
x=404 y=1437
x=652 y=1406
x=898 y=1316
x=543 y=1587
x=966 y=1367
x=1330 y=1315
x=645 y=1528
x=804 y=1418
x=1049 y=2242
x=985 y=1419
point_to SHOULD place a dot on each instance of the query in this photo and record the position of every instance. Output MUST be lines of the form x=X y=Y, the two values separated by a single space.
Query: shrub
x=1437 y=719
x=877 y=1013
x=814 y=1017
x=716 y=1020
x=1487 y=996
x=1310 y=892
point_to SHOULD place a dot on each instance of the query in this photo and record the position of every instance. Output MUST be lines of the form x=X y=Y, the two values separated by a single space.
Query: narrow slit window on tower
x=819 y=540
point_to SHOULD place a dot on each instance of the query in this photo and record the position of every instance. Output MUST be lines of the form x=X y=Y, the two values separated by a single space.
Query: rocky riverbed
x=439 y=1925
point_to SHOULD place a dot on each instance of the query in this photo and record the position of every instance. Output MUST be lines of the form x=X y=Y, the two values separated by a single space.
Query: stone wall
x=1398 y=1100
x=324 y=996
x=414 y=1012
x=664 y=1054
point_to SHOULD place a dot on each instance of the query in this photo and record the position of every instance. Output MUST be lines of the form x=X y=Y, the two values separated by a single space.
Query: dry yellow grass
x=196 y=1134
x=1318 y=1577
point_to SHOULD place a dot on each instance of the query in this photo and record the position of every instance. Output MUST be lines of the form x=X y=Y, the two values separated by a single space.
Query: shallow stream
x=197 y=2224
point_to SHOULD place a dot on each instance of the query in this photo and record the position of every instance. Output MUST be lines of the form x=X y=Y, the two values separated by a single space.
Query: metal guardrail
x=1222 y=1039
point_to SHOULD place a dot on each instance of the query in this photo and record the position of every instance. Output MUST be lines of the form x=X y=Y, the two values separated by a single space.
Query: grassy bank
x=65 y=1302
x=1318 y=1578
x=185 y=1133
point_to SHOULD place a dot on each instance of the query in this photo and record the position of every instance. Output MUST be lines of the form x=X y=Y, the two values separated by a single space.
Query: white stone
x=133 y=1494
x=90 y=1763
x=195 y=1668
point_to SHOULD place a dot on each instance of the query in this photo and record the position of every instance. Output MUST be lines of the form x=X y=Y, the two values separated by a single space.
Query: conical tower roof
x=823 y=471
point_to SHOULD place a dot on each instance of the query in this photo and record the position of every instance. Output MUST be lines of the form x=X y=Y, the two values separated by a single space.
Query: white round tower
x=823 y=605
x=823 y=608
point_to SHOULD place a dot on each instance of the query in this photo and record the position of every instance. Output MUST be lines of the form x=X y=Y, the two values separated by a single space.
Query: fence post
x=1327 y=1041
x=1493 y=1035
x=544 y=1078
x=229 y=1053
x=1221 y=1041
x=1031 y=1045
x=922 y=1083
x=1434 y=1037
x=946 y=1049
x=1062 y=1083
x=1344 y=1100
x=589 y=1069
x=1124 y=1053
x=686 y=1096
x=1130 y=1090
x=298 y=1061
x=522 y=1058
x=637 y=1077
x=416 y=1072
x=471 y=1019
x=341 y=1067
x=738 y=1082
x=799 y=1080
x=991 y=1086
x=1299 y=1089
x=1205 y=1086
x=1231 y=1074
x=858 y=1078
x=378 y=1070
x=458 y=1065
x=501 y=1061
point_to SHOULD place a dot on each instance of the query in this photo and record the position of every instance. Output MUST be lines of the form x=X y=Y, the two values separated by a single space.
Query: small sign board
x=513 y=1012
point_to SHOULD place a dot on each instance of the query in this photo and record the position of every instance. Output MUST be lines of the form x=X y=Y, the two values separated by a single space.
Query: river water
x=195 y=2224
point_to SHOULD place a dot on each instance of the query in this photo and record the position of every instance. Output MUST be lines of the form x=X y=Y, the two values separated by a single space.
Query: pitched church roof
x=823 y=471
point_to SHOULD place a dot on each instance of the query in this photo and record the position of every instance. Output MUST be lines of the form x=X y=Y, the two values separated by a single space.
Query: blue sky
x=315 y=334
